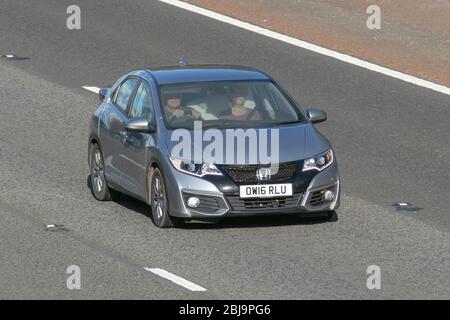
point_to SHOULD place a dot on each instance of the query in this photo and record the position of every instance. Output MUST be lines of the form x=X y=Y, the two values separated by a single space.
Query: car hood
x=296 y=142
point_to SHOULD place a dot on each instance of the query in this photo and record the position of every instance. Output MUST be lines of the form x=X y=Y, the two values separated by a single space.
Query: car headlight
x=198 y=170
x=319 y=162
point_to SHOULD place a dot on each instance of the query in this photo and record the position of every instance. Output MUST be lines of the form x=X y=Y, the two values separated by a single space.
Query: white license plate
x=266 y=190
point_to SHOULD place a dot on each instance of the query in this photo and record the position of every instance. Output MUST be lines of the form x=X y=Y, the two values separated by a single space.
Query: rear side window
x=124 y=93
x=142 y=104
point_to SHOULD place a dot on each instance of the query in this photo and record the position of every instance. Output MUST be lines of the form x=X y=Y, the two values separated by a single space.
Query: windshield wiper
x=250 y=124
x=288 y=122
x=226 y=124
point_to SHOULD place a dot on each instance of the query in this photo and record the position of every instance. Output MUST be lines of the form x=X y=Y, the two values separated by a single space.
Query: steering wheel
x=182 y=119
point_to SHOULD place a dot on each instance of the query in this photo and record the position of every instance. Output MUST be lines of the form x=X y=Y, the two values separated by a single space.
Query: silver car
x=187 y=140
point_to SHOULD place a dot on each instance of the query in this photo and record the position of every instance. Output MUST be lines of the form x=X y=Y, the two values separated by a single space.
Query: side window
x=124 y=93
x=142 y=104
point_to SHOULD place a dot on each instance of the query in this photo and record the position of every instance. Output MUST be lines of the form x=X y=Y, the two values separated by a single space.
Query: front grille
x=316 y=198
x=239 y=204
x=208 y=204
x=247 y=173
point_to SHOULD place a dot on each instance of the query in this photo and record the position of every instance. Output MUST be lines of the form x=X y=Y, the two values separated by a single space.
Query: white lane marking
x=176 y=279
x=309 y=46
x=92 y=89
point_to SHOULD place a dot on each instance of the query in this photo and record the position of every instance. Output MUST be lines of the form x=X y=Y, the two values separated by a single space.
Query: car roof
x=199 y=73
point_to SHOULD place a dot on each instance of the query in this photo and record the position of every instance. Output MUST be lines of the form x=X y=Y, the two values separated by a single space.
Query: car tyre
x=99 y=186
x=159 y=202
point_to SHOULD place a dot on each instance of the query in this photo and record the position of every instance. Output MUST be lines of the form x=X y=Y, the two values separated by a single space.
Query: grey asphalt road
x=391 y=140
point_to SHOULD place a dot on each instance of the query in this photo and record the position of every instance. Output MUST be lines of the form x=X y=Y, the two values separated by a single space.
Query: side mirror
x=140 y=125
x=316 y=115
x=102 y=94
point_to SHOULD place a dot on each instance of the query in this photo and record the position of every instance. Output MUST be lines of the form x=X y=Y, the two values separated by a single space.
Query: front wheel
x=99 y=187
x=160 y=202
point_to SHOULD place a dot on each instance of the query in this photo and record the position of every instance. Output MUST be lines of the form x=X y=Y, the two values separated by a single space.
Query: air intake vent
x=247 y=173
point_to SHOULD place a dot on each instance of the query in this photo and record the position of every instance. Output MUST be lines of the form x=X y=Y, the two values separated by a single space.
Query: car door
x=112 y=130
x=136 y=144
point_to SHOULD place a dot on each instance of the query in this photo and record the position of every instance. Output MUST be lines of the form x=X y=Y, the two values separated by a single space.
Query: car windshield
x=227 y=104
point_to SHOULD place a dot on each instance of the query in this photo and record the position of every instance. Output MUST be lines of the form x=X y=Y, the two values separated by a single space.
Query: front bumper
x=219 y=199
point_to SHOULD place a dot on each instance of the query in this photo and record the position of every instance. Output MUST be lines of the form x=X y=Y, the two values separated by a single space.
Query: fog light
x=329 y=195
x=193 y=202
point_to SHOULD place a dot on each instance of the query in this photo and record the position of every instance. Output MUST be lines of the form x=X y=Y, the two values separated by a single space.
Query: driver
x=174 y=110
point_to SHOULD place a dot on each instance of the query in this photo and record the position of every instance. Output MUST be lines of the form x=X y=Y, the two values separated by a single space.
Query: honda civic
x=199 y=142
